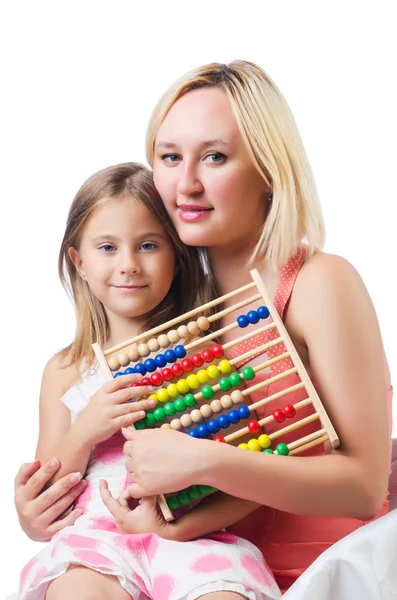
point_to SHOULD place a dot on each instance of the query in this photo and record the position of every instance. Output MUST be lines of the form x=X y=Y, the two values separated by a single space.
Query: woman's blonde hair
x=271 y=136
x=189 y=286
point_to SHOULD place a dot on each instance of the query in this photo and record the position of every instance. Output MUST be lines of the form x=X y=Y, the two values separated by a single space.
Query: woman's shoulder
x=324 y=272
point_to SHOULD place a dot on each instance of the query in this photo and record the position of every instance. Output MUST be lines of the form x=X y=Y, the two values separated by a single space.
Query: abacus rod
x=273 y=379
x=307 y=438
x=234 y=307
x=176 y=320
x=165 y=509
x=315 y=442
x=260 y=350
x=276 y=396
x=247 y=336
x=225 y=329
x=296 y=406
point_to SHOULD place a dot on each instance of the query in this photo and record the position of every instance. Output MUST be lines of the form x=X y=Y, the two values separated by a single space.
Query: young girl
x=127 y=271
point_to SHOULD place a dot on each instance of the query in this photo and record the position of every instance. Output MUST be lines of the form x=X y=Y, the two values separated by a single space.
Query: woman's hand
x=38 y=511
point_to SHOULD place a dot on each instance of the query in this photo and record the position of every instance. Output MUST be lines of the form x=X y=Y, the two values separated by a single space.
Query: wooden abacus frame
x=194 y=328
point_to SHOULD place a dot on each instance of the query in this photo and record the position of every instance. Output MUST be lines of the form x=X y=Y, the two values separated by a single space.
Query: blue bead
x=233 y=416
x=180 y=351
x=213 y=426
x=150 y=364
x=243 y=411
x=203 y=430
x=253 y=317
x=223 y=421
x=128 y=371
x=193 y=433
x=170 y=356
x=263 y=312
x=119 y=373
x=160 y=360
x=140 y=368
x=242 y=321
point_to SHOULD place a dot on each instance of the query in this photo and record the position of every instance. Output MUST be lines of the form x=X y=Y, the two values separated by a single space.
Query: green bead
x=179 y=405
x=140 y=424
x=150 y=420
x=194 y=492
x=225 y=384
x=235 y=379
x=173 y=502
x=183 y=497
x=169 y=409
x=282 y=449
x=268 y=451
x=248 y=373
x=207 y=392
x=159 y=414
x=204 y=489
x=189 y=400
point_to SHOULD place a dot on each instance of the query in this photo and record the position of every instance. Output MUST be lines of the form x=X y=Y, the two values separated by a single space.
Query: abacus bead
x=173 y=391
x=140 y=424
x=183 y=331
x=197 y=360
x=160 y=360
x=282 y=449
x=165 y=426
x=173 y=502
x=213 y=372
x=173 y=336
x=193 y=492
x=217 y=351
x=169 y=409
x=180 y=351
x=193 y=328
x=163 y=340
x=203 y=323
x=183 y=386
x=186 y=421
x=237 y=397
x=150 y=364
x=170 y=356
x=205 y=489
x=176 y=425
x=242 y=321
x=203 y=376
x=254 y=445
x=207 y=355
x=189 y=400
x=207 y=392
x=143 y=350
x=289 y=411
x=253 y=317
x=187 y=365
x=123 y=359
x=264 y=440
x=145 y=381
x=163 y=395
x=133 y=353
x=243 y=446
x=235 y=379
x=254 y=426
x=157 y=379
x=213 y=426
x=177 y=369
x=223 y=421
x=226 y=401
x=150 y=419
x=206 y=411
x=248 y=373
x=193 y=433
x=244 y=411
x=196 y=416
x=233 y=415
x=118 y=374
x=183 y=497
x=180 y=404
x=216 y=406
x=167 y=374
x=159 y=414
x=225 y=366
x=203 y=430
x=154 y=397
x=140 y=368
x=219 y=438
x=193 y=381
x=263 y=312
x=113 y=363
x=278 y=415
x=128 y=371
x=225 y=384
x=153 y=345
x=268 y=451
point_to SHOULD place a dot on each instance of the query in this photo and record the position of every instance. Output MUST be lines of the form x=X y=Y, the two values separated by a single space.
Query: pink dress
x=290 y=543
x=146 y=566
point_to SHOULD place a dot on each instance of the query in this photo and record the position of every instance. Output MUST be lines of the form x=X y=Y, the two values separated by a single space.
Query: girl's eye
x=107 y=248
x=215 y=157
x=170 y=158
x=147 y=246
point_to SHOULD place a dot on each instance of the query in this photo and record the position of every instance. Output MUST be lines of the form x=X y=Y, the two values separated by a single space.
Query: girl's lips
x=189 y=213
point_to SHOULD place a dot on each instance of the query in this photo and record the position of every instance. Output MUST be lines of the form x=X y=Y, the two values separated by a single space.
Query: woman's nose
x=189 y=182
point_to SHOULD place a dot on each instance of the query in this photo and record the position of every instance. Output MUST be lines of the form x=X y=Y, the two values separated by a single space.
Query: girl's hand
x=111 y=408
x=38 y=511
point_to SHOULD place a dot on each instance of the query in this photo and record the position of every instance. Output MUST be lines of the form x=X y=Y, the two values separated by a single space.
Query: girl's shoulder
x=59 y=375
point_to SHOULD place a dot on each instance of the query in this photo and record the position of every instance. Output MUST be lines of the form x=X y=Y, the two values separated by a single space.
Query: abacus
x=187 y=395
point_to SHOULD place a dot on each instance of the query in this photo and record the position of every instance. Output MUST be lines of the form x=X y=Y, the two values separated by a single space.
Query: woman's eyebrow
x=202 y=145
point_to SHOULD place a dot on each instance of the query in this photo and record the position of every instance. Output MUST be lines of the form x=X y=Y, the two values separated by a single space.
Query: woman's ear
x=76 y=260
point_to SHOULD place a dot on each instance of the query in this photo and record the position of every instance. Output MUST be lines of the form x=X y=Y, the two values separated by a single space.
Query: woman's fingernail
x=151 y=403
x=140 y=414
x=54 y=463
x=75 y=477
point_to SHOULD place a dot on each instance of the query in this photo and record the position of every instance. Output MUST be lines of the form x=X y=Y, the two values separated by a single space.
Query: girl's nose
x=129 y=263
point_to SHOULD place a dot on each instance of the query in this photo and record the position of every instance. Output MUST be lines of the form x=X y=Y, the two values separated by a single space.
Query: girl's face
x=126 y=258
x=203 y=172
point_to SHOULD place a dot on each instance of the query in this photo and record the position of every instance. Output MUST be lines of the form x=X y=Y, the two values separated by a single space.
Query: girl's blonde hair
x=271 y=136
x=189 y=286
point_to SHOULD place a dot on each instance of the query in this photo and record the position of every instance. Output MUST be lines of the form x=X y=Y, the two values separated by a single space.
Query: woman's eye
x=147 y=246
x=107 y=248
x=215 y=157
x=170 y=158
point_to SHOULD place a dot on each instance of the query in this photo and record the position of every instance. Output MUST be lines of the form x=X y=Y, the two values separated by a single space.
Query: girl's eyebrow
x=203 y=145
x=112 y=237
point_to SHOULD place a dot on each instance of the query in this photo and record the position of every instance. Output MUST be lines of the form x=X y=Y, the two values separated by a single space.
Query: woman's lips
x=192 y=212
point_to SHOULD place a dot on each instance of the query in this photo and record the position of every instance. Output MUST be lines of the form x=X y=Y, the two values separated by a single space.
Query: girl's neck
x=122 y=329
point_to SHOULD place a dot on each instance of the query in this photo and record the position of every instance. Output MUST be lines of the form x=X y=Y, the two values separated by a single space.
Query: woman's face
x=202 y=170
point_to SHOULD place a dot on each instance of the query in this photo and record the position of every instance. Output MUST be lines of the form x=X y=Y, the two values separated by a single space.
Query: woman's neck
x=231 y=268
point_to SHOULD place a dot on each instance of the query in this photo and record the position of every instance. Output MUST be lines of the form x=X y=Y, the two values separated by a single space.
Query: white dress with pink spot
x=146 y=566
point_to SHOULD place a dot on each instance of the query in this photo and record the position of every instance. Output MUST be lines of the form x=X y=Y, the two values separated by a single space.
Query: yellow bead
x=243 y=446
x=183 y=386
x=163 y=395
x=154 y=397
x=225 y=366
x=264 y=441
x=202 y=376
x=213 y=372
x=173 y=391
x=254 y=445
x=193 y=381
x=114 y=363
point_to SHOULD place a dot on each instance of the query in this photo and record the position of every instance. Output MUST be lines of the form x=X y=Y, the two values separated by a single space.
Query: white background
x=79 y=81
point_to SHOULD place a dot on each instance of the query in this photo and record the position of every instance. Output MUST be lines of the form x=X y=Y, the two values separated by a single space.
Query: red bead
x=157 y=379
x=219 y=438
x=187 y=365
x=289 y=411
x=254 y=426
x=197 y=360
x=217 y=351
x=177 y=369
x=145 y=381
x=167 y=374
x=207 y=355
x=278 y=415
